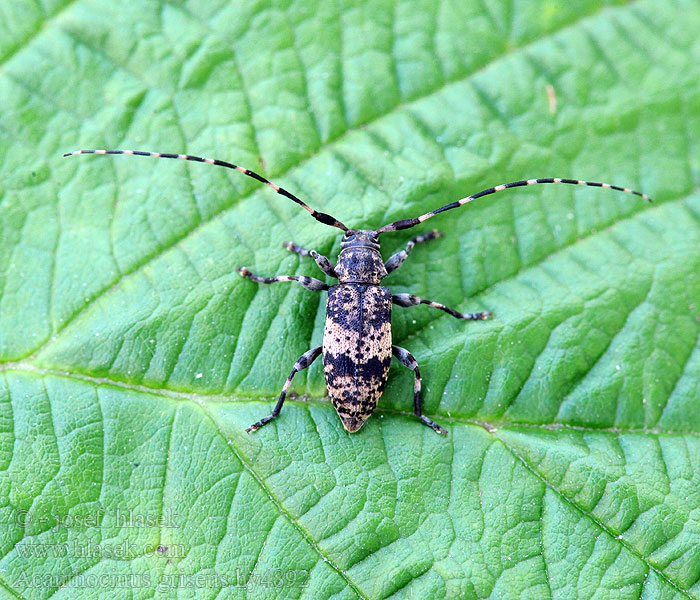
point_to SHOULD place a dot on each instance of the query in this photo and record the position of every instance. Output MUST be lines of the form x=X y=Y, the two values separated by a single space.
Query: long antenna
x=408 y=223
x=324 y=218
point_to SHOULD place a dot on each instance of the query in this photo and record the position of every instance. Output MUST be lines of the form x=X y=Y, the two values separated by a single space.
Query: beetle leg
x=308 y=282
x=407 y=300
x=407 y=360
x=304 y=361
x=396 y=260
x=323 y=263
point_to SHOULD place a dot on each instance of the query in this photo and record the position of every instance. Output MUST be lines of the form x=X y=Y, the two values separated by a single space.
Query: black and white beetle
x=357 y=344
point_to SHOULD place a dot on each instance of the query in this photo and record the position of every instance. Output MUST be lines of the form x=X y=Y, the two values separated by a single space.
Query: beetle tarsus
x=302 y=363
x=432 y=424
x=480 y=316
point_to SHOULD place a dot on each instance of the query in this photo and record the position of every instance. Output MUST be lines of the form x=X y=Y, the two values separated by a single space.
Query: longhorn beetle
x=357 y=344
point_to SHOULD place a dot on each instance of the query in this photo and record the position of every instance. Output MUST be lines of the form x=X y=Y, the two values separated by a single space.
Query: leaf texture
x=133 y=356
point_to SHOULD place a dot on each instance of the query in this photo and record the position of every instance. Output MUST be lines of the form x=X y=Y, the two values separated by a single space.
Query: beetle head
x=360 y=238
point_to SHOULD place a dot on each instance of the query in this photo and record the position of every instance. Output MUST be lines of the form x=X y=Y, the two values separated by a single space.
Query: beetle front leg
x=407 y=300
x=396 y=260
x=323 y=263
x=304 y=361
x=308 y=282
x=407 y=360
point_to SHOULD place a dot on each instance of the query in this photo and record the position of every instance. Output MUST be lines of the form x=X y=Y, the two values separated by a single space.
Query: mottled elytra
x=357 y=344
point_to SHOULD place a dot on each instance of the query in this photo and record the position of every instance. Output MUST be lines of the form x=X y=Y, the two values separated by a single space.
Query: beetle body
x=357 y=335
x=357 y=346
x=356 y=349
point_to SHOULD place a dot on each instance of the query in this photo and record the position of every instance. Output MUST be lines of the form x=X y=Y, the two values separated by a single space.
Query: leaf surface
x=134 y=356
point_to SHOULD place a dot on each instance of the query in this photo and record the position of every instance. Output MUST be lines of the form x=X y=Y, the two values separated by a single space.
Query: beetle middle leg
x=407 y=360
x=396 y=260
x=304 y=361
x=407 y=300
x=323 y=263
x=308 y=282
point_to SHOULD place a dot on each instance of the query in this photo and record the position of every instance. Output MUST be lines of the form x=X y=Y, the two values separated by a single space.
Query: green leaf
x=133 y=356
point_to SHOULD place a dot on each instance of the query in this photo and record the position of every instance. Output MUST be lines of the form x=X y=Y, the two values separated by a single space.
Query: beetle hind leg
x=407 y=360
x=304 y=361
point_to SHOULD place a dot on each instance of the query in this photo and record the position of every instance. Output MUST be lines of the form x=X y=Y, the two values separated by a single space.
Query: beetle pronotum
x=357 y=344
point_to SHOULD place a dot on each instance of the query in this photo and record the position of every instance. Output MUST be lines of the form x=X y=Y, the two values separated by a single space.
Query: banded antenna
x=408 y=223
x=324 y=218
x=327 y=219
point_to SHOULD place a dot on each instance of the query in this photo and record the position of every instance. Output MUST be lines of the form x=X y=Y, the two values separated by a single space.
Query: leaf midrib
x=490 y=425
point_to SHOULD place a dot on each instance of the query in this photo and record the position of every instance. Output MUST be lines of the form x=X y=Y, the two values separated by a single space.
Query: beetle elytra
x=357 y=345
